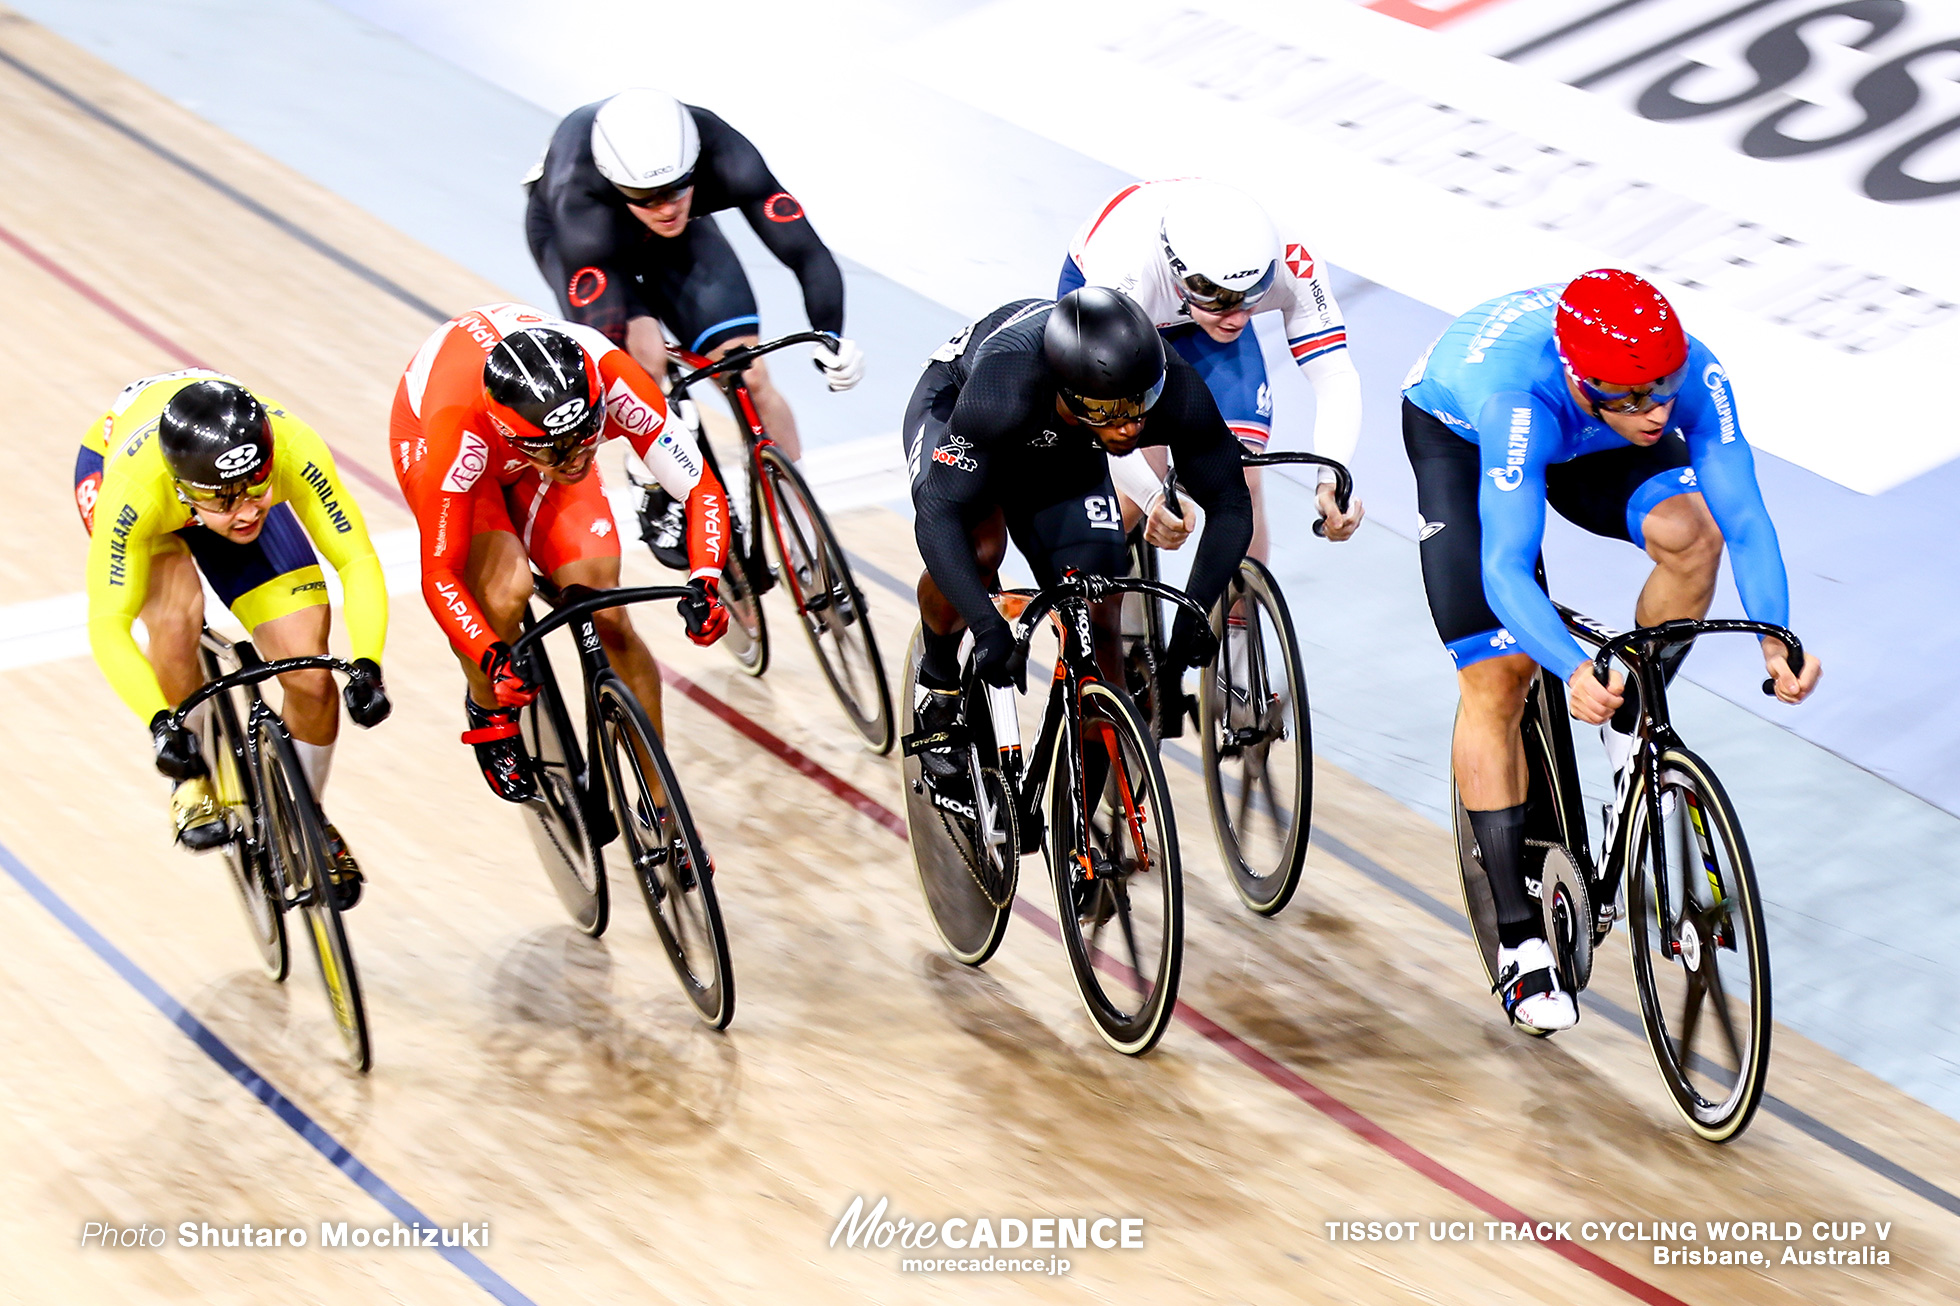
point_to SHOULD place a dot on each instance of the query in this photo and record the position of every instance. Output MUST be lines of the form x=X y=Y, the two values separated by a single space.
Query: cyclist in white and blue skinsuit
x=1202 y=259
x=1588 y=396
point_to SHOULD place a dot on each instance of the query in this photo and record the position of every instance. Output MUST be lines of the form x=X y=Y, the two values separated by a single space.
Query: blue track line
x=256 y=1084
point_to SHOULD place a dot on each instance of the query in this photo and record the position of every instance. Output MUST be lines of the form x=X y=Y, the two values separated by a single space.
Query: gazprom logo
x=1518 y=439
x=1717 y=382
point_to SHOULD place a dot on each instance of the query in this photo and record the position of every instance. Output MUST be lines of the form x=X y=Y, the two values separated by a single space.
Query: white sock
x=316 y=760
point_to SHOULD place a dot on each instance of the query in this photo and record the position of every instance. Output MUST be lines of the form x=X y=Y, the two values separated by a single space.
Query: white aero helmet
x=1221 y=247
x=644 y=140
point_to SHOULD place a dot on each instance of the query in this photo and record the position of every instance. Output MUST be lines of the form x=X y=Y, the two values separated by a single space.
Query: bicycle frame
x=251 y=670
x=1069 y=599
x=1643 y=652
x=729 y=371
x=574 y=607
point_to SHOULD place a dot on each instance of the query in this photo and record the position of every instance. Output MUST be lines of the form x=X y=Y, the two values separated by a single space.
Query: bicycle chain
x=974 y=873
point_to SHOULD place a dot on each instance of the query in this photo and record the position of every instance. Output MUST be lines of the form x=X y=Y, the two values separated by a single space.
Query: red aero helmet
x=1616 y=327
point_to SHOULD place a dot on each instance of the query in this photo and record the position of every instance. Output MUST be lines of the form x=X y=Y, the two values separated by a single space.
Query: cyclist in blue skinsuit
x=1590 y=397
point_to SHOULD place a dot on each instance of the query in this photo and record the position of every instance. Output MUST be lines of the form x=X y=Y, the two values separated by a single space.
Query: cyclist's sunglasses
x=659 y=195
x=1113 y=412
x=556 y=453
x=1635 y=399
x=223 y=498
x=1207 y=294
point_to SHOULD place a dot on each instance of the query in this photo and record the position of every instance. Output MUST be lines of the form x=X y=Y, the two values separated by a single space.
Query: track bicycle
x=1699 y=950
x=1256 y=735
x=814 y=567
x=580 y=808
x=277 y=853
x=1109 y=832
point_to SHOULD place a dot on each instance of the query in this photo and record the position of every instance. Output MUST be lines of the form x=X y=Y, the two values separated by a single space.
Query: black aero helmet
x=216 y=439
x=1106 y=354
x=544 y=390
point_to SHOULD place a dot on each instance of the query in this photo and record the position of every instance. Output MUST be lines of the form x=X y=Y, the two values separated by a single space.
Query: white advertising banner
x=1787 y=170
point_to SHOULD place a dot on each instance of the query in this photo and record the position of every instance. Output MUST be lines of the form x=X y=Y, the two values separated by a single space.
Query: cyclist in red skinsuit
x=493 y=436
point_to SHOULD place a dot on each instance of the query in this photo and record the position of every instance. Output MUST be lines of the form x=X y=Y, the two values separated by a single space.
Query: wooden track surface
x=558 y=1088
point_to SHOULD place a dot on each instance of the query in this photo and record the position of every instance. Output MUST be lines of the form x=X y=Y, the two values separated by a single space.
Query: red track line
x=1282 y=1076
x=788 y=753
x=178 y=354
x=859 y=801
x=174 y=351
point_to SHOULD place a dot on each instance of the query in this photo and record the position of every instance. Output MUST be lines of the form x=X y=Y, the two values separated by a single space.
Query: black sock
x=940 y=667
x=1500 y=840
x=1627 y=716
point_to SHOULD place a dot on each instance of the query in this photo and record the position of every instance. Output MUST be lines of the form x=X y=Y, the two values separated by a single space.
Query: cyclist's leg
x=1486 y=748
x=275 y=588
x=498 y=576
x=572 y=538
x=1235 y=374
x=173 y=614
x=646 y=341
x=570 y=528
x=1083 y=532
x=1649 y=498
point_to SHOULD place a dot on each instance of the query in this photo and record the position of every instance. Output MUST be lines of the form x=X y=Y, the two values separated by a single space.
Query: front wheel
x=572 y=857
x=297 y=837
x=828 y=600
x=1112 y=851
x=245 y=856
x=1258 y=741
x=748 y=630
x=1700 y=954
x=669 y=860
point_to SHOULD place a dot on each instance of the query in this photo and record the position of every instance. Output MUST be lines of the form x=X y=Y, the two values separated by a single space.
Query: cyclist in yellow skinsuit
x=190 y=471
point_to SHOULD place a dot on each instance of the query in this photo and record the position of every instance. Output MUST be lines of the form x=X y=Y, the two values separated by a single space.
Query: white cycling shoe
x=1527 y=980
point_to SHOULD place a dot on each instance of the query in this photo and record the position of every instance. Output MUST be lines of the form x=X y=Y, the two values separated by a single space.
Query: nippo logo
x=236 y=462
x=564 y=416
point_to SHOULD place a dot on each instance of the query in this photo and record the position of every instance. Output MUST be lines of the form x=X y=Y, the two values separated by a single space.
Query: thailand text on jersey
x=586 y=220
x=133 y=505
x=1121 y=246
x=446 y=451
x=1005 y=439
x=1494 y=377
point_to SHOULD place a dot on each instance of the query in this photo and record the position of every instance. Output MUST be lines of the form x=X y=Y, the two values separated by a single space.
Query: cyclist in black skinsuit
x=1008 y=434
x=621 y=224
